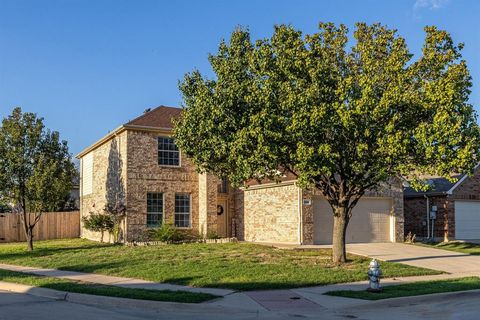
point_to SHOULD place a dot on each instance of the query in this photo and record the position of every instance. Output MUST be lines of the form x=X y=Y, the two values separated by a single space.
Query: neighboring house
x=447 y=211
x=139 y=165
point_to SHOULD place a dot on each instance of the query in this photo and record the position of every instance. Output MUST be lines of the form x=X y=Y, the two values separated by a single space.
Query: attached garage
x=467 y=220
x=372 y=221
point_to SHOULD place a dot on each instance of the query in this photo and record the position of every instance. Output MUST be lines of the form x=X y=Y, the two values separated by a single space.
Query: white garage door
x=370 y=222
x=467 y=220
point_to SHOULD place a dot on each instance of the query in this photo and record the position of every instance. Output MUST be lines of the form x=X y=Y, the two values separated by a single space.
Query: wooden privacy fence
x=52 y=225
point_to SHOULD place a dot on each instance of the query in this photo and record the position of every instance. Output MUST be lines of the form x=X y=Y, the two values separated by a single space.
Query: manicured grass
x=239 y=266
x=413 y=289
x=464 y=247
x=103 y=290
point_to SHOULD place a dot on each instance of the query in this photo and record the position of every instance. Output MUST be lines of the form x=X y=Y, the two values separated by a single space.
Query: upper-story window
x=168 y=153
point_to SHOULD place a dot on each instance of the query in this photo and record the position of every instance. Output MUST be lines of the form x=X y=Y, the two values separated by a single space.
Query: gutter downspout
x=428 y=217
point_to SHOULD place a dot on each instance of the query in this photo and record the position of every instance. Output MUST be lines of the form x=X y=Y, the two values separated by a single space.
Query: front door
x=222 y=218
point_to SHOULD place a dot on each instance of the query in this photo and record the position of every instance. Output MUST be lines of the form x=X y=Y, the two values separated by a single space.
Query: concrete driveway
x=437 y=259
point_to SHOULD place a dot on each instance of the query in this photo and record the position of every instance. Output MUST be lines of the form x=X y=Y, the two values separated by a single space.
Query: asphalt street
x=24 y=306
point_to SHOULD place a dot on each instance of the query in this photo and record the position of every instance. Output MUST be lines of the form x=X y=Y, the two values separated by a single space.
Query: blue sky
x=89 y=66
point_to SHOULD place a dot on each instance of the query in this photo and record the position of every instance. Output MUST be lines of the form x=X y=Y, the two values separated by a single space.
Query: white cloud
x=430 y=4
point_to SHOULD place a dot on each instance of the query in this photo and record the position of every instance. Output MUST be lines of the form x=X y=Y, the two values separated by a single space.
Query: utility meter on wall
x=433 y=213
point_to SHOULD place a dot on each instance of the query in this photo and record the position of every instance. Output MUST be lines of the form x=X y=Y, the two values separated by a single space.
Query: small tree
x=36 y=168
x=99 y=223
x=340 y=120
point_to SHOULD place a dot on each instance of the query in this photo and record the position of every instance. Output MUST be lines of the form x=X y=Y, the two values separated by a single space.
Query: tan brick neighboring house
x=139 y=165
x=447 y=211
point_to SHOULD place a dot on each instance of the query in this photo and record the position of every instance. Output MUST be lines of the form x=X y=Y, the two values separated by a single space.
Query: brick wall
x=444 y=225
x=109 y=180
x=469 y=189
x=146 y=175
x=416 y=217
x=269 y=214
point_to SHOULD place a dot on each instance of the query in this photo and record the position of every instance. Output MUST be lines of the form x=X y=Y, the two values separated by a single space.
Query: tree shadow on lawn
x=92 y=267
x=43 y=252
x=460 y=246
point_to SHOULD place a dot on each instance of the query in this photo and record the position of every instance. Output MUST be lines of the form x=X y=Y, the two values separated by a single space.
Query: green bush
x=168 y=233
x=212 y=235
x=99 y=223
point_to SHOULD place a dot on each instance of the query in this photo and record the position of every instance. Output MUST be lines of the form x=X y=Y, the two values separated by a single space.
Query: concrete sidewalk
x=112 y=281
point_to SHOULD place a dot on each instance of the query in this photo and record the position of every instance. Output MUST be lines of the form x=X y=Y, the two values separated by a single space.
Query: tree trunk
x=340 y=223
x=30 y=239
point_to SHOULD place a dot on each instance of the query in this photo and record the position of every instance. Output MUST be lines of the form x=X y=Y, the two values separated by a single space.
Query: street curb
x=402 y=301
x=94 y=300
x=34 y=291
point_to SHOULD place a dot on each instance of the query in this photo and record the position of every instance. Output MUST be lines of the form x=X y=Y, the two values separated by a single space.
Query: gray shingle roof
x=439 y=185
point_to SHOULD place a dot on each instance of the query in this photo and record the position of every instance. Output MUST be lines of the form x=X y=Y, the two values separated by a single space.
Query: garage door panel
x=370 y=221
x=467 y=220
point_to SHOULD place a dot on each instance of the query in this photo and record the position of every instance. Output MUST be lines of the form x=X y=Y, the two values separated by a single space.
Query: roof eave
x=146 y=128
x=429 y=194
x=101 y=141
x=119 y=130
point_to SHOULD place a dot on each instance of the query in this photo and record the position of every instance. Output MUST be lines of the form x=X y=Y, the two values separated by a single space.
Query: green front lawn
x=239 y=266
x=413 y=289
x=103 y=290
x=464 y=247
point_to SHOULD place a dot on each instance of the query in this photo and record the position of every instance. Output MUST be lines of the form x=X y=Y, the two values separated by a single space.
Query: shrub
x=212 y=234
x=99 y=223
x=167 y=232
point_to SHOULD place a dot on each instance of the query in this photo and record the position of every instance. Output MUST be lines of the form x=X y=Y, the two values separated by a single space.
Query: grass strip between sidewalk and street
x=412 y=289
x=103 y=290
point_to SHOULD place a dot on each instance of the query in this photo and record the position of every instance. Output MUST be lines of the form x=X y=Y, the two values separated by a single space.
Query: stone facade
x=283 y=212
x=269 y=214
x=144 y=175
x=126 y=166
x=108 y=180
x=125 y=169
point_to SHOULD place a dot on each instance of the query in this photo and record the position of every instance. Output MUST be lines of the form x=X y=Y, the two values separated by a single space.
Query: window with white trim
x=154 y=209
x=168 y=153
x=182 y=210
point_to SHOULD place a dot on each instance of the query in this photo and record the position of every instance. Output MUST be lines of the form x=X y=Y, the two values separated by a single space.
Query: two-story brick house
x=139 y=165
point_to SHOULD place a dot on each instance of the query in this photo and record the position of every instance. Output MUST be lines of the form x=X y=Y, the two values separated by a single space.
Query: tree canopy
x=343 y=115
x=36 y=168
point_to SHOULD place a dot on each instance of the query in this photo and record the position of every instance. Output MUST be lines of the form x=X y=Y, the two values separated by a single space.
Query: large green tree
x=36 y=170
x=343 y=116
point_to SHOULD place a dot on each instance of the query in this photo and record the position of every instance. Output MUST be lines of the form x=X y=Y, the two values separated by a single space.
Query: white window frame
x=178 y=150
x=162 y=221
x=183 y=213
